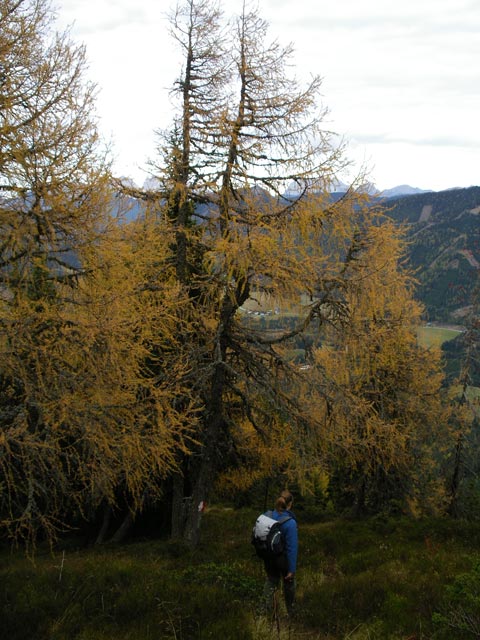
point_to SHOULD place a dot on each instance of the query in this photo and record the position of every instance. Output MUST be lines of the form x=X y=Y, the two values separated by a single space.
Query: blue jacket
x=289 y=530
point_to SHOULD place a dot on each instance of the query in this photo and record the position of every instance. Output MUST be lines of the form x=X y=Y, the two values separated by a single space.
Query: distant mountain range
x=151 y=184
x=341 y=187
x=402 y=190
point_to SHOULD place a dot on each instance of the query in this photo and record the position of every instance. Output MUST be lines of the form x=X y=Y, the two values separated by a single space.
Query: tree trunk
x=106 y=519
x=456 y=476
x=193 y=513
x=265 y=497
x=178 y=506
x=187 y=510
x=123 y=530
x=359 y=506
x=201 y=476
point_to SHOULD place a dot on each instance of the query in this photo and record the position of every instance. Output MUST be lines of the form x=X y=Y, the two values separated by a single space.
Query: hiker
x=283 y=567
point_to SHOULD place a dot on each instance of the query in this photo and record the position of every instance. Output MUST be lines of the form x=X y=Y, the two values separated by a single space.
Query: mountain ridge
x=402 y=190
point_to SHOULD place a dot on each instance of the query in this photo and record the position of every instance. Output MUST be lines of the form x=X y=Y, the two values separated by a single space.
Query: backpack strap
x=269 y=514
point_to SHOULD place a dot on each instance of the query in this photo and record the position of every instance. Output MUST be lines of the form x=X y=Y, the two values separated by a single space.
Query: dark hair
x=284 y=501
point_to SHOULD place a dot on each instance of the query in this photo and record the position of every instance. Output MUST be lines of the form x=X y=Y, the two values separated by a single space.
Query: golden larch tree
x=246 y=134
x=381 y=399
x=86 y=407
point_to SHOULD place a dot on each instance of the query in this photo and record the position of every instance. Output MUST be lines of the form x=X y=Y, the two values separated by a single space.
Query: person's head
x=284 y=501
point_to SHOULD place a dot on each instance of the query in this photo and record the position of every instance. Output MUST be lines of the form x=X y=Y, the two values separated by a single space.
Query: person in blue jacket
x=283 y=568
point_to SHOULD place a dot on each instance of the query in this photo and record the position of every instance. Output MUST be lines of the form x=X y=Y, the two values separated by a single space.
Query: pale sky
x=401 y=78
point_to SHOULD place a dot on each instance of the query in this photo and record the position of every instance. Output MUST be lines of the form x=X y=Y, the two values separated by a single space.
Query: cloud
x=380 y=14
x=94 y=17
x=400 y=78
x=465 y=142
x=387 y=26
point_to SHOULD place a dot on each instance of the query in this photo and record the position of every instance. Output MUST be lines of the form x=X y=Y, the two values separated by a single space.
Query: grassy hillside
x=436 y=336
x=376 y=579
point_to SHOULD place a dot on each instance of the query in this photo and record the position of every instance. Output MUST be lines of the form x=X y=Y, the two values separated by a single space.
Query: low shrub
x=376 y=579
x=459 y=614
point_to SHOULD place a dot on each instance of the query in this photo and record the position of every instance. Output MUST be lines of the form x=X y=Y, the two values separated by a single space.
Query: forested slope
x=443 y=248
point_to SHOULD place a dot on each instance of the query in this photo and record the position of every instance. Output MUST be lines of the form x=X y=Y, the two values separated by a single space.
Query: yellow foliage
x=262 y=454
x=383 y=407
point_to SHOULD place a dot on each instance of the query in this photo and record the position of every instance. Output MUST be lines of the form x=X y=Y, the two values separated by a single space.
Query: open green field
x=262 y=306
x=435 y=336
x=376 y=579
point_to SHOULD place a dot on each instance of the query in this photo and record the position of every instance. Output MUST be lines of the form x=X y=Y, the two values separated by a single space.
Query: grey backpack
x=267 y=536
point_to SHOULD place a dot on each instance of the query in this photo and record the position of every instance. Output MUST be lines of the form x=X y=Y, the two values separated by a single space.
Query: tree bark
x=455 y=483
x=123 y=530
x=359 y=507
x=178 y=506
x=106 y=519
